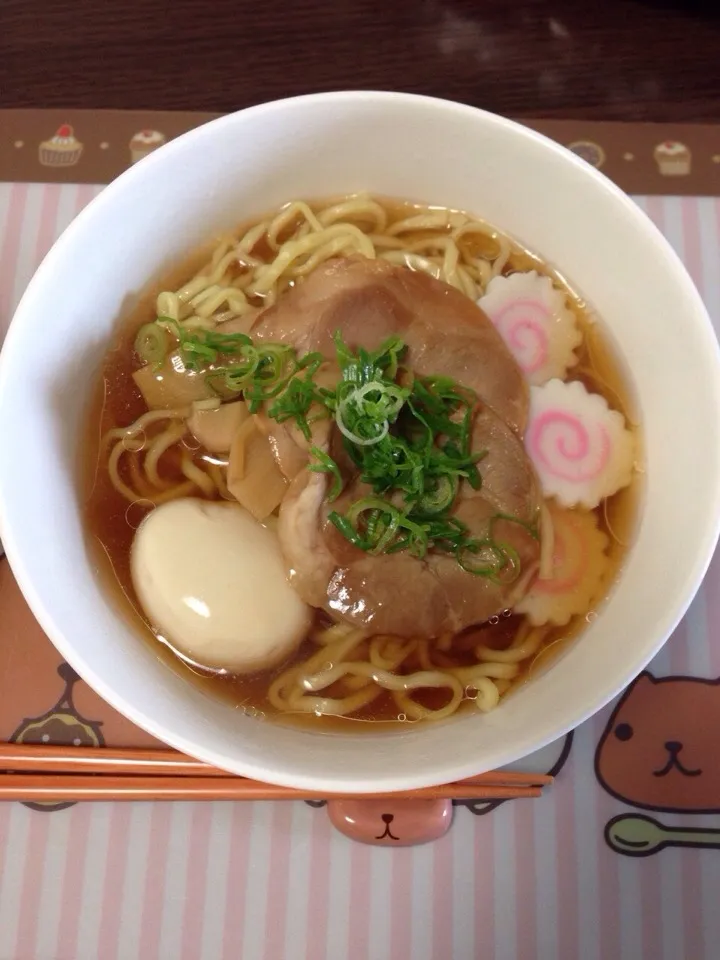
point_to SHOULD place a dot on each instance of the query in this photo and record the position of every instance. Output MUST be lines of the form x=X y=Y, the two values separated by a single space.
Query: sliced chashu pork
x=369 y=301
x=396 y=593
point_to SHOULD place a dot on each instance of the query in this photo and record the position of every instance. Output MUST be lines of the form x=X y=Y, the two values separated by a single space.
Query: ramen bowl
x=396 y=145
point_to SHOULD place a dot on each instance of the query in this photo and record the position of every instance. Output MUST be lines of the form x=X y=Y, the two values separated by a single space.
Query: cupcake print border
x=145 y=142
x=61 y=150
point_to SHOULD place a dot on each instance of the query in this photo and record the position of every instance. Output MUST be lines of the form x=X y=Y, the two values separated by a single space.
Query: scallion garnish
x=408 y=437
x=151 y=343
x=200 y=348
x=440 y=492
x=324 y=463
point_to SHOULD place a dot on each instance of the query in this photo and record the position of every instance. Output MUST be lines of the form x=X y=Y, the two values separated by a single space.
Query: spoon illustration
x=636 y=835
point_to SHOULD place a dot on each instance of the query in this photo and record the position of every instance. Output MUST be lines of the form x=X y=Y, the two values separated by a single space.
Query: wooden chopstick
x=73 y=787
x=126 y=761
x=63 y=759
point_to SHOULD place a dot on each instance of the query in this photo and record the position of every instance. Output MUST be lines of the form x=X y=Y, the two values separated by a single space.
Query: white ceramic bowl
x=399 y=145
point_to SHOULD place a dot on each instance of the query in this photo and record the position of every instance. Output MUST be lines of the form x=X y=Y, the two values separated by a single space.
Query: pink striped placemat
x=273 y=881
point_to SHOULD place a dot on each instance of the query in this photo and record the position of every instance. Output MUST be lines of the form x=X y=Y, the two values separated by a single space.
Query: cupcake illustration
x=144 y=143
x=673 y=159
x=588 y=151
x=62 y=150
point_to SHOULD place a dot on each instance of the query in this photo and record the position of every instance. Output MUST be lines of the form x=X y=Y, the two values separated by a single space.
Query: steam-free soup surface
x=113 y=518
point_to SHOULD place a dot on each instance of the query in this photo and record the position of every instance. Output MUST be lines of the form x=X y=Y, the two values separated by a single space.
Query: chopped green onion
x=326 y=464
x=382 y=523
x=151 y=343
x=381 y=429
x=484 y=558
x=348 y=531
x=409 y=437
x=441 y=496
x=201 y=347
x=510 y=570
x=499 y=562
x=295 y=402
x=532 y=528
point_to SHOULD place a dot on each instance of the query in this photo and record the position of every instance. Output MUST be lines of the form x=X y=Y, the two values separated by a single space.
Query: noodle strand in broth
x=338 y=671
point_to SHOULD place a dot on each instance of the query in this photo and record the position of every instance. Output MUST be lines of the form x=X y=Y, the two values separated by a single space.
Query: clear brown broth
x=111 y=522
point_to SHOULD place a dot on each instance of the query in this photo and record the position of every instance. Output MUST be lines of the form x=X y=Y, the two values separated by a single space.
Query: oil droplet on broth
x=134 y=443
x=190 y=443
x=115 y=372
x=137 y=511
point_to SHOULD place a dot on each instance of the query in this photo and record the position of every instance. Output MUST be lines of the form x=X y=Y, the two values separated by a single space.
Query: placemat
x=94 y=146
x=614 y=861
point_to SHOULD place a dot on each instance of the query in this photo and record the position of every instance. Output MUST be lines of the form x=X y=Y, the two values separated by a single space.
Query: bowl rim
x=523 y=744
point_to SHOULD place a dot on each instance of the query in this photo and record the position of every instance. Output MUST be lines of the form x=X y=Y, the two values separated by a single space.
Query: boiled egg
x=211 y=581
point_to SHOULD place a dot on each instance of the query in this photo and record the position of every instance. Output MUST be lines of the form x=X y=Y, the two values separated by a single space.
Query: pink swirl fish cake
x=578 y=570
x=582 y=450
x=534 y=320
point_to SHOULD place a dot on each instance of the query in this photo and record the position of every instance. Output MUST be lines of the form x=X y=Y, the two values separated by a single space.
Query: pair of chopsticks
x=43 y=773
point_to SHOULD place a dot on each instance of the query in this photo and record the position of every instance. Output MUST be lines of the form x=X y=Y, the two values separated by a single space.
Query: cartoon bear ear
x=646 y=677
x=642 y=679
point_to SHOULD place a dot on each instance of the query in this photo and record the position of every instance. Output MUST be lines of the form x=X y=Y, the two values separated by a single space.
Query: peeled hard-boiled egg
x=212 y=582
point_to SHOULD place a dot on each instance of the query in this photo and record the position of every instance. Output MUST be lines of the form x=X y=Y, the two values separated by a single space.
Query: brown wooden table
x=612 y=59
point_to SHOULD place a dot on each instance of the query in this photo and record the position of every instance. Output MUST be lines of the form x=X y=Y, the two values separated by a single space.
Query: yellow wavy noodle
x=357 y=210
x=237 y=279
x=527 y=641
x=299 y=238
x=346 y=670
x=135 y=456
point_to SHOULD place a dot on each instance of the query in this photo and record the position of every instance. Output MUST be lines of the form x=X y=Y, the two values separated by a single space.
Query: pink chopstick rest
x=391 y=823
